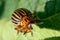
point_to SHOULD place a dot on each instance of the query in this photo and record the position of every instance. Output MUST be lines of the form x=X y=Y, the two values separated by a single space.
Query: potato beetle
x=22 y=18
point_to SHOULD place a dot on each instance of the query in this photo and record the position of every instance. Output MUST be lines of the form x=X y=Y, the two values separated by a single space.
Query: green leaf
x=47 y=10
x=8 y=7
x=53 y=38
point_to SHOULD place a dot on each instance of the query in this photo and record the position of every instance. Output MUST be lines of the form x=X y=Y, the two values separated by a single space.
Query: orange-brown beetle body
x=22 y=18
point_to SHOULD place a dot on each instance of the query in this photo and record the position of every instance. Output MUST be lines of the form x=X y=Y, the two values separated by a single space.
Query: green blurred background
x=47 y=10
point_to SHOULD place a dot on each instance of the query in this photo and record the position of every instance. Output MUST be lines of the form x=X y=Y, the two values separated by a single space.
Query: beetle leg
x=25 y=33
x=31 y=33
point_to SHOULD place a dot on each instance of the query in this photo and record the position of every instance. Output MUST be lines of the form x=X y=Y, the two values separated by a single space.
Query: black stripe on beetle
x=28 y=13
x=20 y=12
x=16 y=13
x=15 y=16
x=24 y=13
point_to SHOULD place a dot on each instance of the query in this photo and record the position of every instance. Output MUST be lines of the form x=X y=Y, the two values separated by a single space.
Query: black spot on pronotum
x=26 y=20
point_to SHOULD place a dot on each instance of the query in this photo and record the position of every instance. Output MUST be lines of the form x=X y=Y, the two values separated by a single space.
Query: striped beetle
x=23 y=19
